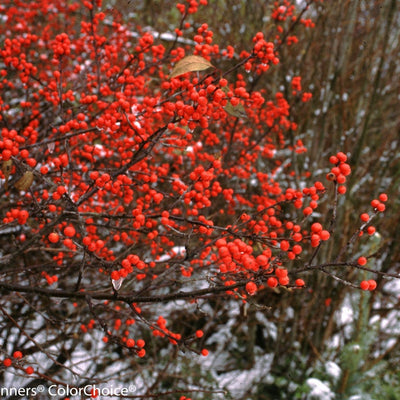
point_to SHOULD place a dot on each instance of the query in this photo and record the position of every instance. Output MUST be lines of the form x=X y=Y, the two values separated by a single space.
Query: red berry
x=297 y=237
x=204 y=352
x=29 y=370
x=199 y=333
x=251 y=288
x=372 y=284
x=31 y=162
x=315 y=240
x=115 y=275
x=335 y=171
x=53 y=237
x=284 y=280
x=381 y=207
x=86 y=241
x=383 y=197
x=69 y=231
x=272 y=282
x=80 y=117
x=364 y=285
x=371 y=230
x=328 y=301
x=6 y=154
x=364 y=217
x=345 y=169
x=220 y=243
x=361 y=261
x=281 y=272
x=341 y=178
x=61 y=190
x=307 y=211
x=130 y=342
x=7 y=362
x=284 y=245
x=341 y=156
x=324 y=235
x=297 y=249
x=300 y=282
x=17 y=354
x=289 y=225
x=375 y=203
x=333 y=160
x=262 y=260
x=316 y=227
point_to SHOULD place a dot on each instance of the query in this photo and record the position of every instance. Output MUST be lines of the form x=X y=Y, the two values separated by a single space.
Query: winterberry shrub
x=143 y=173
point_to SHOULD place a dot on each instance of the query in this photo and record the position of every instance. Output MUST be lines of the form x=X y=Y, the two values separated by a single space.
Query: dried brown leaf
x=6 y=168
x=25 y=182
x=190 y=64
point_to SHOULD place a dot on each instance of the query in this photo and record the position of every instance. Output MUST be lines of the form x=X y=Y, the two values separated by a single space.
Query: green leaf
x=190 y=64
x=237 y=111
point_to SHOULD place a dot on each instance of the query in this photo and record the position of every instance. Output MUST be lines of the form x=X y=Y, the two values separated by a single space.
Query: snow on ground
x=319 y=390
x=240 y=382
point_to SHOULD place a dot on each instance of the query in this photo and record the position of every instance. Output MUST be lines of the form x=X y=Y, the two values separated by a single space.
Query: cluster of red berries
x=340 y=170
x=318 y=234
x=9 y=143
x=17 y=355
x=140 y=343
x=163 y=331
x=90 y=325
x=50 y=279
x=192 y=6
x=61 y=45
x=283 y=11
x=281 y=278
x=16 y=214
x=69 y=232
x=264 y=51
x=127 y=264
x=368 y=285
x=296 y=84
x=378 y=205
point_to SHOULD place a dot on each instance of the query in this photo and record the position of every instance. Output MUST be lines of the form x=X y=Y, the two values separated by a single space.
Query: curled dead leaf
x=6 y=168
x=25 y=182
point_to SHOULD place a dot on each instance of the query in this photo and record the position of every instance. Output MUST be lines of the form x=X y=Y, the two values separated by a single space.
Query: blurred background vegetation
x=350 y=63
